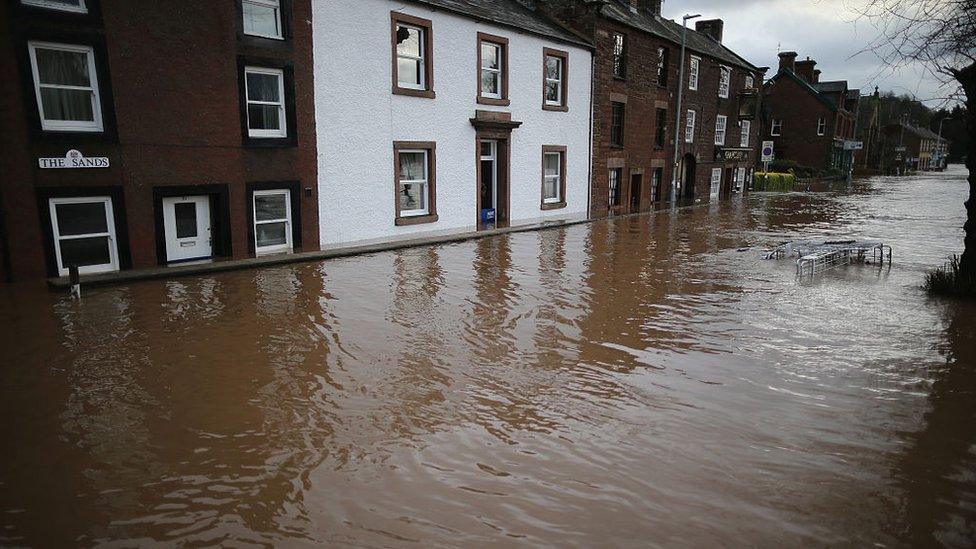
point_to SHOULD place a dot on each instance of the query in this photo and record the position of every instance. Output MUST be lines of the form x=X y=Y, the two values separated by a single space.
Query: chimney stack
x=787 y=60
x=805 y=69
x=712 y=27
x=816 y=76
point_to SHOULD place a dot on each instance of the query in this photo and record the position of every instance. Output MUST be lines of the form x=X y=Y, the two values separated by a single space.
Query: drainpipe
x=677 y=115
x=589 y=194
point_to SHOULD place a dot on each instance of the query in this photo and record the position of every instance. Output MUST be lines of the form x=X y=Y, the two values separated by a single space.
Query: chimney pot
x=787 y=60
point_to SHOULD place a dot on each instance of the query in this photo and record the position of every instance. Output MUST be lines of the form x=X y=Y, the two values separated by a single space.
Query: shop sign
x=853 y=145
x=73 y=160
x=731 y=155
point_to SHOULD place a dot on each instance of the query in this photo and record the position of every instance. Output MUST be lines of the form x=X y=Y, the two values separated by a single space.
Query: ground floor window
x=553 y=176
x=84 y=234
x=415 y=165
x=716 y=183
x=272 y=222
x=614 y=185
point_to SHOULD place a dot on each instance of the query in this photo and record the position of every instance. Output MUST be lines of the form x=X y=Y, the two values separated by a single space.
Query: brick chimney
x=787 y=60
x=712 y=27
x=816 y=76
x=804 y=69
x=653 y=6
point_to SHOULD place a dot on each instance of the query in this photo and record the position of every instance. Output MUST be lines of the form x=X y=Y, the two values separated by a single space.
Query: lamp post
x=940 y=144
x=677 y=115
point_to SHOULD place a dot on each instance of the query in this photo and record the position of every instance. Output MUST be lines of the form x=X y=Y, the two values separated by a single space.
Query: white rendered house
x=431 y=120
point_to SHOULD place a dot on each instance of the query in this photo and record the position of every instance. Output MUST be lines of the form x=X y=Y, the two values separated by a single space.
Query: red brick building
x=139 y=133
x=810 y=121
x=636 y=75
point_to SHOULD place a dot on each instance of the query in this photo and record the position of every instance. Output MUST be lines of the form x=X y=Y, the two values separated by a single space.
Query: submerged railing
x=814 y=257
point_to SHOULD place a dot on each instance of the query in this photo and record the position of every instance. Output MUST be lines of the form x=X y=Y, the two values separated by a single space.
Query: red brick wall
x=800 y=110
x=174 y=82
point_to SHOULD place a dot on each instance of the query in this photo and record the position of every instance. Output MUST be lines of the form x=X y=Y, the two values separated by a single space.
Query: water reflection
x=640 y=378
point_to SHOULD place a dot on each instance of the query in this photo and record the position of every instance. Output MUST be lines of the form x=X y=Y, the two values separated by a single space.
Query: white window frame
x=500 y=71
x=744 y=136
x=776 y=127
x=95 y=125
x=715 y=190
x=113 y=251
x=421 y=59
x=425 y=181
x=619 y=172
x=690 y=126
x=750 y=81
x=276 y=4
x=559 y=175
x=80 y=8
x=821 y=126
x=278 y=248
x=724 y=82
x=558 y=81
x=693 y=72
x=282 y=111
x=721 y=127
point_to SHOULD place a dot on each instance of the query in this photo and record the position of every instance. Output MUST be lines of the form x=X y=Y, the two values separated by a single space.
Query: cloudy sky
x=828 y=31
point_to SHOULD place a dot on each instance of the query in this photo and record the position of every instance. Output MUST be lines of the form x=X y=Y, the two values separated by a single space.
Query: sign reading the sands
x=74 y=159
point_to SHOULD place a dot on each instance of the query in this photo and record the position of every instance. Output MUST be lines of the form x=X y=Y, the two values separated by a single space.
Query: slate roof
x=508 y=13
x=805 y=85
x=923 y=132
x=619 y=11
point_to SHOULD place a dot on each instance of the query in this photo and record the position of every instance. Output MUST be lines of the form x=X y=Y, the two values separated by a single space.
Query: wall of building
x=168 y=72
x=800 y=110
x=358 y=119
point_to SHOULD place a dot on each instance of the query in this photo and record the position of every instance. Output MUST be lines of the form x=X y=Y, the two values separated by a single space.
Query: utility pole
x=677 y=115
x=940 y=144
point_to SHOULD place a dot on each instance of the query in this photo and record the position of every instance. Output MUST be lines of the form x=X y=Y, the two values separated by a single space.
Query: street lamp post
x=677 y=115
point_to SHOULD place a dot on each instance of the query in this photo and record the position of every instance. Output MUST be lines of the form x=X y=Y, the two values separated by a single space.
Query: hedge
x=781 y=182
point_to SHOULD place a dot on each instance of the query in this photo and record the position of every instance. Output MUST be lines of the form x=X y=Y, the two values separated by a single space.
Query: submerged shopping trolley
x=817 y=256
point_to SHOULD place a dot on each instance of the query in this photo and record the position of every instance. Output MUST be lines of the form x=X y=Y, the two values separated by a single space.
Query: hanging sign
x=74 y=159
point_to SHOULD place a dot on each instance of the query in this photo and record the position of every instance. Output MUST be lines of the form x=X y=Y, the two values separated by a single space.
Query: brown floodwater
x=639 y=381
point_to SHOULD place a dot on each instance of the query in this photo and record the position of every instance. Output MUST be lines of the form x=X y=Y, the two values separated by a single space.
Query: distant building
x=810 y=122
x=636 y=83
x=908 y=148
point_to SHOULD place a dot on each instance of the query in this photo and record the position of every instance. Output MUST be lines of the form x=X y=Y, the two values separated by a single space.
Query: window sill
x=555 y=108
x=270 y=142
x=616 y=146
x=553 y=205
x=493 y=101
x=415 y=220
x=621 y=78
x=428 y=94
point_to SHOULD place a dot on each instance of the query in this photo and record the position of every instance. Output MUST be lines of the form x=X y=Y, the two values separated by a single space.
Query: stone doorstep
x=175 y=271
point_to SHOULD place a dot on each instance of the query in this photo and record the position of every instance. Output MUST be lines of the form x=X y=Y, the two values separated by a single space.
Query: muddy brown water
x=633 y=382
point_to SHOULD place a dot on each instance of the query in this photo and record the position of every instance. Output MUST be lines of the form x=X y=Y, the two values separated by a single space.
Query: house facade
x=810 y=121
x=636 y=82
x=908 y=148
x=445 y=116
x=140 y=133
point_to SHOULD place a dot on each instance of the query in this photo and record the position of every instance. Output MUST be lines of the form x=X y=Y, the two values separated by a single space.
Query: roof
x=920 y=131
x=619 y=11
x=509 y=13
x=831 y=87
x=786 y=73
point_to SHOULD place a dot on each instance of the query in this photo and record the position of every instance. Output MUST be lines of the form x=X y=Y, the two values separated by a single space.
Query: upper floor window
x=619 y=55
x=76 y=6
x=744 y=136
x=265 y=89
x=821 y=126
x=749 y=82
x=616 y=124
x=693 y=72
x=724 y=82
x=262 y=18
x=660 y=133
x=662 y=66
x=66 y=86
x=492 y=69
x=555 y=81
x=776 y=127
x=412 y=65
x=690 y=127
x=721 y=124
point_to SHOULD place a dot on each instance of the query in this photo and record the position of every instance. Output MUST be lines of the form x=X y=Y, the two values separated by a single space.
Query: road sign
x=767 y=151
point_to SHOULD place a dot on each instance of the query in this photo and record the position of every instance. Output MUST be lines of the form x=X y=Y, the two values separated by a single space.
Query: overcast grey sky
x=827 y=31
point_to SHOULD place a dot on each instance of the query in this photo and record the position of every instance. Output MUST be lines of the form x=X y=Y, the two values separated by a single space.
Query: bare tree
x=937 y=36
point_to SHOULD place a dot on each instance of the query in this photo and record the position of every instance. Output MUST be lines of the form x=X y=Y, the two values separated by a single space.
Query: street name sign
x=73 y=159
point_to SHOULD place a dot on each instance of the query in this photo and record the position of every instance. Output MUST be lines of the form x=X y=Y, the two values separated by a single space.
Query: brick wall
x=800 y=110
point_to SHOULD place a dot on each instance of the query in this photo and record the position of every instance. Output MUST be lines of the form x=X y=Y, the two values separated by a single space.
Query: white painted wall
x=358 y=119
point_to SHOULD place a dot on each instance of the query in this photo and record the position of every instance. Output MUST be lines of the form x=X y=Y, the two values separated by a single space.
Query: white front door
x=186 y=221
